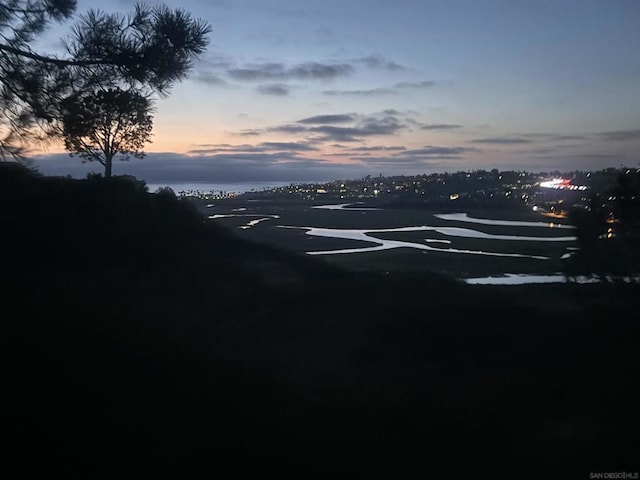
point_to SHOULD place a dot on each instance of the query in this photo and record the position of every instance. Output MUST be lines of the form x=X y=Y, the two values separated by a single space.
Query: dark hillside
x=138 y=339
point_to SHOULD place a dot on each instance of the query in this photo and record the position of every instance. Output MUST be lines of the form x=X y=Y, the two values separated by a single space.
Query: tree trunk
x=107 y=167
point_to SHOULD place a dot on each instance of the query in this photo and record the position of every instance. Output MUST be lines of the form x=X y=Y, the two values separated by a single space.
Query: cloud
x=568 y=137
x=326 y=126
x=264 y=147
x=431 y=150
x=211 y=79
x=423 y=84
x=215 y=62
x=391 y=90
x=249 y=132
x=207 y=69
x=292 y=146
x=387 y=125
x=440 y=126
x=338 y=134
x=501 y=140
x=553 y=137
x=364 y=93
x=320 y=119
x=224 y=148
x=621 y=135
x=538 y=151
x=275 y=89
x=279 y=71
x=288 y=129
x=367 y=126
x=302 y=71
x=426 y=158
x=214 y=145
x=377 y=149
x=378 y=61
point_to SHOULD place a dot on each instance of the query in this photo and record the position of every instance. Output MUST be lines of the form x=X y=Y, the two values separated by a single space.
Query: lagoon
x=382 y=244
x=528 y=243
x=463 y=217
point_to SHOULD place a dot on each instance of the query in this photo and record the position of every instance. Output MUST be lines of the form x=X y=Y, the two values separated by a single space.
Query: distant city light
x=561 y=184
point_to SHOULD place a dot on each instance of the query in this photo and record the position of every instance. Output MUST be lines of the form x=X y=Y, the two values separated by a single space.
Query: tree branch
x=56 y=61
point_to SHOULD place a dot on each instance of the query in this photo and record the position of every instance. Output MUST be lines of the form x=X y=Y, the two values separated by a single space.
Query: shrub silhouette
x=608 y=233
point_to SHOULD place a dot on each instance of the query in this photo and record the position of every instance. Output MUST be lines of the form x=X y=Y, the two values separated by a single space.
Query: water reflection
x=342 y=206
x=425 y=244
x=463 y=217
x=468 y=233
x=382 y=244
x=522 y=279
x=248 y=225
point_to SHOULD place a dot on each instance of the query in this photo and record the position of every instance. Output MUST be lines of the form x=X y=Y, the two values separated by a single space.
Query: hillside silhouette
x=141 y=339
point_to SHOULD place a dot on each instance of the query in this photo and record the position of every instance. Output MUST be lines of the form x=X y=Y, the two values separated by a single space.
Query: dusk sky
x=298 y=90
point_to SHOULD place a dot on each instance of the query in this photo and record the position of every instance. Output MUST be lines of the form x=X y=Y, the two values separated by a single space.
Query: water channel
x=427 y=243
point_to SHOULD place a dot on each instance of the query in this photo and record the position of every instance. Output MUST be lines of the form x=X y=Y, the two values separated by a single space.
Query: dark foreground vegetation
x=139 y=339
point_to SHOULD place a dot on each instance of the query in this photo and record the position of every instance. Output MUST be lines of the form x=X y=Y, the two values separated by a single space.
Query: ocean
x=236 y=188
